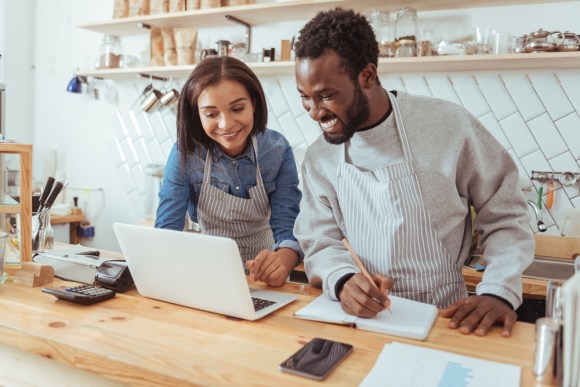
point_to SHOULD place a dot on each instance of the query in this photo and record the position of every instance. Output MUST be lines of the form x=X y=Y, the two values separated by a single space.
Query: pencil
x=360 y=265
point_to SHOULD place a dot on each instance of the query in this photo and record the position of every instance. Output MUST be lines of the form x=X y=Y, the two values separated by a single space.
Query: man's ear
x=368 y=76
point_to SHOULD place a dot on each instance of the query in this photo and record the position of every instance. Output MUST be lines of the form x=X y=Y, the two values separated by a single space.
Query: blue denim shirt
x=235 y=175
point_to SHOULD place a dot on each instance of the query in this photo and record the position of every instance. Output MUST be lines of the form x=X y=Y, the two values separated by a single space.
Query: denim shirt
x=235 y=175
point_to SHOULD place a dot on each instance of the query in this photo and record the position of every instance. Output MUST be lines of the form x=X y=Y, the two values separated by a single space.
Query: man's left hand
x=479 y=314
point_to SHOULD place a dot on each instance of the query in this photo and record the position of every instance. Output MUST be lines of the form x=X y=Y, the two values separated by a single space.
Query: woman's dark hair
x=207 y=73
x=344 y=32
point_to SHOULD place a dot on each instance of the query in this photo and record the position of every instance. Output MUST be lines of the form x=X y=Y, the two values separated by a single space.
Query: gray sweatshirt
x=458 y=163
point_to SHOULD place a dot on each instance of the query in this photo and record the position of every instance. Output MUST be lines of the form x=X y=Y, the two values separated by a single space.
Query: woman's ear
x=368 y=76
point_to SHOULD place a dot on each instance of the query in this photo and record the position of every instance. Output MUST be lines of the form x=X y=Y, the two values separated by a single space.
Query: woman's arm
x=285 y=204
x=175 y=194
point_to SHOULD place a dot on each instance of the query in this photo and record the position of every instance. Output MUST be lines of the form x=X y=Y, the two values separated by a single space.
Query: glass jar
x=406 y=25
x=405 y=48
x=384 y=29
x=110 y=53
x=424 y=42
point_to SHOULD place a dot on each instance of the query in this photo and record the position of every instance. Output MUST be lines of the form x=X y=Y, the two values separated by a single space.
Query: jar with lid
x=384 y=29
x=110 y=53
x=406 y=25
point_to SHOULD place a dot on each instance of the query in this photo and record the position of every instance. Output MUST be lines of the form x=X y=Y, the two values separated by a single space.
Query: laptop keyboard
x=260 y=303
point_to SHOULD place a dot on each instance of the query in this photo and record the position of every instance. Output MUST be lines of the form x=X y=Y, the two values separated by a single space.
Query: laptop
x=194 y=270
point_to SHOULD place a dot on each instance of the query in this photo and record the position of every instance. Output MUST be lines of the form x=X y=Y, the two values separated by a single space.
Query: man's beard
x=357 y=114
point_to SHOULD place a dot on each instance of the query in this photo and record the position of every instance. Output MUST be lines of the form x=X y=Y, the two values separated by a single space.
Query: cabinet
x=303 y=10
x=23 y=209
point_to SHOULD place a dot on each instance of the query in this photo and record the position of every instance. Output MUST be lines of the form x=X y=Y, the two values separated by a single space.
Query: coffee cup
x=151 y=100
x=170 y=97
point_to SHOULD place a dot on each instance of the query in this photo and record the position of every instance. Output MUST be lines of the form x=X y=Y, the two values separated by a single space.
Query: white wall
x=74 y=135
x=17 y=67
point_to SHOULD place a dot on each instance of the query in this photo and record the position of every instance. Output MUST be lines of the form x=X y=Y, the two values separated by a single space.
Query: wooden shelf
x=24 y=208
x=265 y=13
x=538 y=61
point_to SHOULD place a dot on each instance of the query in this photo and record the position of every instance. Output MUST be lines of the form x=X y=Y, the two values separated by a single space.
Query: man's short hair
x=344 y=32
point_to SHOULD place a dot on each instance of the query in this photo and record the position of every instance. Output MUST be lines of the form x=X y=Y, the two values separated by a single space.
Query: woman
x=236 y=178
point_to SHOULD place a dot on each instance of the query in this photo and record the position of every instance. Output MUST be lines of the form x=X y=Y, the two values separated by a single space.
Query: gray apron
x=387 y=224
x=245 y=220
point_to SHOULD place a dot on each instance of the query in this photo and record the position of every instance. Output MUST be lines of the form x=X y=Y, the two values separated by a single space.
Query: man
x=395 y=174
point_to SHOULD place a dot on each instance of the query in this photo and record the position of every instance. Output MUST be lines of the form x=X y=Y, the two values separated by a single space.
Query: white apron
x=245 y=220
x=387 y=224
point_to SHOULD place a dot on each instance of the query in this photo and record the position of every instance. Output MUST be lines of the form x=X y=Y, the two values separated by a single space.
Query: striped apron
x=245 y=220
x=387 y=224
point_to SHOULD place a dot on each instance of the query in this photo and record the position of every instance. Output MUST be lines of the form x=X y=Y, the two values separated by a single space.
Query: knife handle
x=56 y=190
x=45 y=191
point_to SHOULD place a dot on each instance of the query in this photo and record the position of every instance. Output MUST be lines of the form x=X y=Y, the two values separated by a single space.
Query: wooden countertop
x=141 y=341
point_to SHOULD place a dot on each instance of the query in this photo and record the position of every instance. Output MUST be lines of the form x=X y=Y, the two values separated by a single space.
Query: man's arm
x=489 y=178
x=326 y=260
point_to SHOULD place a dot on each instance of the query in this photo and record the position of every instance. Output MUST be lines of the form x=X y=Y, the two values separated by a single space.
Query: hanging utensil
x=567 y=179
x=550 y=201
x=542 y=177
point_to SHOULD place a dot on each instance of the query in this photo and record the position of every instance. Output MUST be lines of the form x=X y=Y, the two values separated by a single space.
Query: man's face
x=331 y=97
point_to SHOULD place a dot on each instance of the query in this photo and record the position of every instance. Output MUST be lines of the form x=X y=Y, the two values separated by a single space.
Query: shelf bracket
x=149 y=76
x=248 y=30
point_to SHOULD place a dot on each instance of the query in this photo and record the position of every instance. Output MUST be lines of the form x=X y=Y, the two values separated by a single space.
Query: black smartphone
x=316 y=358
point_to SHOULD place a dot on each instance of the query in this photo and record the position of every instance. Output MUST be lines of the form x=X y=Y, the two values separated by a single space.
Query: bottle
x=384 y=29
x=3 y=241
x=110 y=53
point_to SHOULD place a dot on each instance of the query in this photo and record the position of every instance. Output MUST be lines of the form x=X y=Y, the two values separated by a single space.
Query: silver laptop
x=194 y=270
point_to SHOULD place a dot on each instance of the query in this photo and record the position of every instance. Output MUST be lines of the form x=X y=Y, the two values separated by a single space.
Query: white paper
x=414 y=366
x=571 y=293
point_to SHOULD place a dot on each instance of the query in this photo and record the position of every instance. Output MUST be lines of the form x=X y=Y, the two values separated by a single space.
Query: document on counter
x=571 y=345
x=413 y=366
x=410 y=319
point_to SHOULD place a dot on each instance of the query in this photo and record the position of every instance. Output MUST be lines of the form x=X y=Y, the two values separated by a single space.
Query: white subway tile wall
x=534 y=116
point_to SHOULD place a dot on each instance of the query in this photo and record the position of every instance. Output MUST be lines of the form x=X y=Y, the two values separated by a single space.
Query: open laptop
x=199 y=271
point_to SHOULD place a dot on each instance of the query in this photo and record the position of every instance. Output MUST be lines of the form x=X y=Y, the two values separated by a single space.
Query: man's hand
x=479 y=314
x=272 y=267
x=359 y=297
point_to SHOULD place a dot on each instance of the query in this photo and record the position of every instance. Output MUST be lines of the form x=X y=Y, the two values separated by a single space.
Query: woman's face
x=226 y=112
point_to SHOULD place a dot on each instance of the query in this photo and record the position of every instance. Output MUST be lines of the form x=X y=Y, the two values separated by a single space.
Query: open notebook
x=409 y=319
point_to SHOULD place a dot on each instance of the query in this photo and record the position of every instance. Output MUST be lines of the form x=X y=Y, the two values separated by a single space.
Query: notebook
x=410 y=319
x=194 y=270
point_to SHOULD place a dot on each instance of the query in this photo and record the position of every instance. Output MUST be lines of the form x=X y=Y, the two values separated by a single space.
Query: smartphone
x=316 y=358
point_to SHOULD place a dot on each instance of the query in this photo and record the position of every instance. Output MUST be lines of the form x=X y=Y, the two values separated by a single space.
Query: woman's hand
x=272 y=267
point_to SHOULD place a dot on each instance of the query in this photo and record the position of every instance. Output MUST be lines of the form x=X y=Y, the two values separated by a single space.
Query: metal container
x=545 y=367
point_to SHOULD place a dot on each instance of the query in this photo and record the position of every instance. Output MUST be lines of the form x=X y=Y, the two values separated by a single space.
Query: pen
x=361 y=266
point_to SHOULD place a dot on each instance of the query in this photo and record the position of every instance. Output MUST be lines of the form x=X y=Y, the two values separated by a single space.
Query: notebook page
x=326 y=310
x=409 y=318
